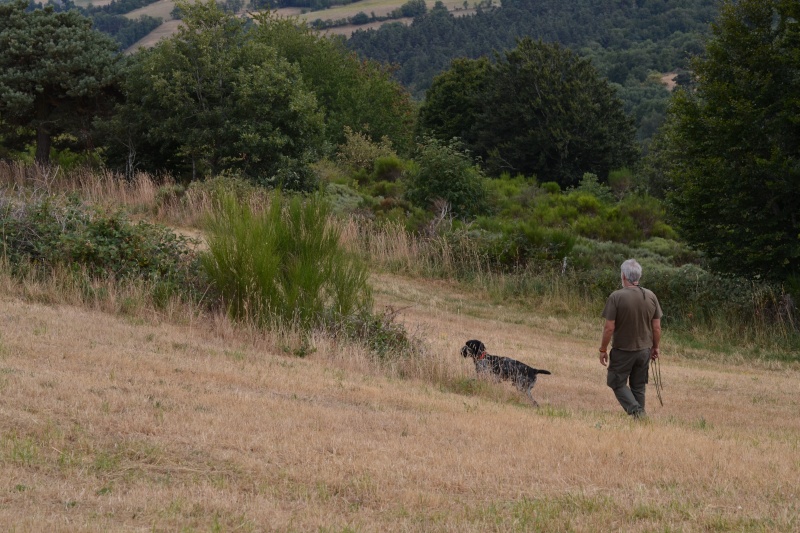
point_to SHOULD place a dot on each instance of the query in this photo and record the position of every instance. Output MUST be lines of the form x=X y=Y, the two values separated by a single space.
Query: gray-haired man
x=633 y=320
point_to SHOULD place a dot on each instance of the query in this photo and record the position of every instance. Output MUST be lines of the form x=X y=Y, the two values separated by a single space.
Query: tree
x=443 y=172
x=55 y=73
x=361 y=95
x=539 y=110
x=211 y=99
x=734 y=176
x=454 y=101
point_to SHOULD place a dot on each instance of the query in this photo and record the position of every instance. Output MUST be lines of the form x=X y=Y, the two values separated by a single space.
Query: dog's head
x=473 y=348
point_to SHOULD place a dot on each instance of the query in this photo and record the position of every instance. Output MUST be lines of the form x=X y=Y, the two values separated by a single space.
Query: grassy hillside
x=117 y=416
x=133 y=422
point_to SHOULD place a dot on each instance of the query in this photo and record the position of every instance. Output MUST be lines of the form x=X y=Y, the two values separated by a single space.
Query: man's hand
x=654 y=353
x=608 y=333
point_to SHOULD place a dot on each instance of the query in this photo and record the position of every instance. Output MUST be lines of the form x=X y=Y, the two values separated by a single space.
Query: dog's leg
x=530 y=397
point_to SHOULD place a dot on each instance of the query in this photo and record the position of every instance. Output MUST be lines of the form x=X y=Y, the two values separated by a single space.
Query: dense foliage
x=283 y=266
x=212 y=99
x=262 y=101
x=444 y=173
x=732 y=148
x=361 y=95
x=48 y=233
x=55 y=74
x=538 y=110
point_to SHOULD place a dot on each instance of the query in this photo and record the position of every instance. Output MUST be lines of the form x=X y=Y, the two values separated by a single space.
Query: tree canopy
x=211 y=99
x=538 y=110
x=360 y=94
x=734 y=143
x=54 y=73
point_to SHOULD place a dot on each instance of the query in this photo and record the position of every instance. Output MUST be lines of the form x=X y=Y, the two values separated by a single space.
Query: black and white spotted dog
x=503 y=368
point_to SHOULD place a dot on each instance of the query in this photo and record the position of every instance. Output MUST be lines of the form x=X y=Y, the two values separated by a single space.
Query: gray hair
x=631 y=270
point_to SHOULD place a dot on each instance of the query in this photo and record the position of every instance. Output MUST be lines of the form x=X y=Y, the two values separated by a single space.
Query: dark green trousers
x=627 y=377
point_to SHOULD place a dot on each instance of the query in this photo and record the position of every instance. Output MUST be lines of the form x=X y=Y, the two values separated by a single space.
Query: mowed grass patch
x=112 y=422
x=97 y=3
x=163 y=31
x=380 y=8
x=161 y=8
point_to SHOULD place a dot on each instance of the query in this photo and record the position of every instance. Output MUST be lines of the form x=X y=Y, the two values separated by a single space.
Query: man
x=633 y=319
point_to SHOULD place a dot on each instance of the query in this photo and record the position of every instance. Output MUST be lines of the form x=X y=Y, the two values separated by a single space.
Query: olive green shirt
x=633 y=310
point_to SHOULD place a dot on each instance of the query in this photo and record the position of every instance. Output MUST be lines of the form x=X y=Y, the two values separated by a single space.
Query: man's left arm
x=656 y=338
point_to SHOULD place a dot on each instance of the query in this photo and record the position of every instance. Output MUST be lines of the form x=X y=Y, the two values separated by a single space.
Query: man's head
x=632 y=271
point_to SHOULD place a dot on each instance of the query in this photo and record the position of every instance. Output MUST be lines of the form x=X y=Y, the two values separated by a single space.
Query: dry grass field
x=161 y=8
x=115 y=417
x=135 y=421
x=96 y=3
x=165 y=30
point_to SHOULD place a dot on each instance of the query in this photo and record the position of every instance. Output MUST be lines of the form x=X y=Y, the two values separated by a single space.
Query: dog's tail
x=543 y=371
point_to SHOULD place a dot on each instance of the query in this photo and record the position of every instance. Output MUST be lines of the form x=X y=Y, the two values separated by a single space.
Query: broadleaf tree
x=358 y=94
x=56 y=74
x=538 y=110
x=734 y=143
x=210 y=99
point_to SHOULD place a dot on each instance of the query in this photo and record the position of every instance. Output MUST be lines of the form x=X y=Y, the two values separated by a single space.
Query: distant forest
x=627 y=40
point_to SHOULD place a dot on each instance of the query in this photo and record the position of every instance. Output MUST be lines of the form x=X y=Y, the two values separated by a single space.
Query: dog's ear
x=475 y=346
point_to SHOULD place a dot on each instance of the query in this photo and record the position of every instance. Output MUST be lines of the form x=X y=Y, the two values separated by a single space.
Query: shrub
x=342 y=198
x=382 y=334
x=388 y=168
x=51 y=232
x=443 y=172
x=359 y=152
x=648 y=214
x=517 y=244
x=590 y=184
x=283 y=266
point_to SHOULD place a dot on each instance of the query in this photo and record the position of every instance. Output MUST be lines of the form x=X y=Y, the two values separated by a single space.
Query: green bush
x=382 y=334
x=342 y=199
x=359 y=152
x=590 y=184
x=517 y=244
x=443 y=172
x=53 y=231
x=389 y=168
x=283 y=266
x=226 y=183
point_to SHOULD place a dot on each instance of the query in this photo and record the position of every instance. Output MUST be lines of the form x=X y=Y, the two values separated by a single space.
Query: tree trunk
x=43 y=138
x=43 y=142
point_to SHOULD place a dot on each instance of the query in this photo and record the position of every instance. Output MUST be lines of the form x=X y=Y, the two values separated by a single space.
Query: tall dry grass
x=101 y=187
x=152 y=196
